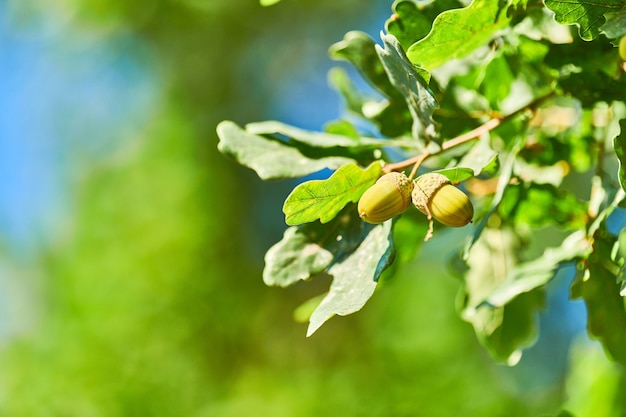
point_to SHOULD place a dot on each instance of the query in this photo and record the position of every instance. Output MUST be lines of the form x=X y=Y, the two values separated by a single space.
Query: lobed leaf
x=271 y=159
x=588 y=15
x=411 y=22
x=615 y=26
x=412 y=85
x=315 y=139
x=323 y=199
x=294 y=258
x=355 y=275
x=308 y=249
x=456 y=33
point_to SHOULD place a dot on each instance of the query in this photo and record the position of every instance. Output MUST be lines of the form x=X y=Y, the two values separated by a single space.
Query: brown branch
x=476 y=133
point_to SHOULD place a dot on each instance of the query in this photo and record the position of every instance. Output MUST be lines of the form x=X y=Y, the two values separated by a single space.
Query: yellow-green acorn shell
x=388 y=197
x=436 y=197
x=622 y=48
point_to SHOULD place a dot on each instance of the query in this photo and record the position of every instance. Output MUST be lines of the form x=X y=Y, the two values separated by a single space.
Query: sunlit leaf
x=355 y=275
x=294 y=258
x=411 y=84
x=342 y=127
x=309 y=249
x=588 y=15
x=271 y=159
x=323 y=199
x=456 y=175
x=481 y=157
x=315 y=139
x=458 y=32
x=411 y=22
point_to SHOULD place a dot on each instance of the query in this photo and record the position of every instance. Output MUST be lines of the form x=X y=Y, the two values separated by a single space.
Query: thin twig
x=476 y=133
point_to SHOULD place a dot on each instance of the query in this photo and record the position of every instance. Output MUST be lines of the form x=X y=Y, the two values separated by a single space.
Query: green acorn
x=622 y=48
x=388 y=197
x=436 y=197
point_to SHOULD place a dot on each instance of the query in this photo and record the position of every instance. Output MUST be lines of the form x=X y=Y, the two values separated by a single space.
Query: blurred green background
x=131 y=255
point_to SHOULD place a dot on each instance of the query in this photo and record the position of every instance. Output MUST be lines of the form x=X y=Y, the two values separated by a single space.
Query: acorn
x=437 y=198
x=622 y=48
x=388 y=197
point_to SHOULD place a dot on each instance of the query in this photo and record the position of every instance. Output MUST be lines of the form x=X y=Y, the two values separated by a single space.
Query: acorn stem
x=476 y=133
x=418 y=162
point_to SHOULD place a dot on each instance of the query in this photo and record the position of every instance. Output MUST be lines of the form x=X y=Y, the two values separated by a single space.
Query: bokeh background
x=131 y=251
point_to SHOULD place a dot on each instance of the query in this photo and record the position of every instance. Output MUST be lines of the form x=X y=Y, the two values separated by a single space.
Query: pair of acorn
x=433 y=194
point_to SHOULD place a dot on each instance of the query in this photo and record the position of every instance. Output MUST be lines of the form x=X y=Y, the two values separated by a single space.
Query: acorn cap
x=425 y=187
x=436 y=197
x=388 y=197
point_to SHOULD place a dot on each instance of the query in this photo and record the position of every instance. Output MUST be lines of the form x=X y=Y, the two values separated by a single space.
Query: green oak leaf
x=271 y=159
x=619 y=144
x=456 y=33
x=411 y=22
x=294 y=258
x=503 y=329
x=480 y=158
x=615 y=26
x=358 y=48
x=342 y=127
x=323 y=199
x=411 y=84
x=588 y=15
x=457 y=174
x=315 y=139
x=506 y=172
x=390 y=115
x=308 y=249
x=355 y=275
x=606 y=313
x=530 y=275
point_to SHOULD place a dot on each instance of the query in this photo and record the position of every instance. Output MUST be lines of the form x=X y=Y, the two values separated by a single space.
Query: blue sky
x=63 y=100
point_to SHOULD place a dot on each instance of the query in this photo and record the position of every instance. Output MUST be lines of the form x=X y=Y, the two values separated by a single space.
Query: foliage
x=499 y=95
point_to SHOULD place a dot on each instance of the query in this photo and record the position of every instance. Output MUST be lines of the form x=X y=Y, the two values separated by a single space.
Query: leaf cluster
x=521 y=102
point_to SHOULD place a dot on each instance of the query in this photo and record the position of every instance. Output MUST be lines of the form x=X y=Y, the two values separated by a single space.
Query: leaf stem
x=476 y=133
